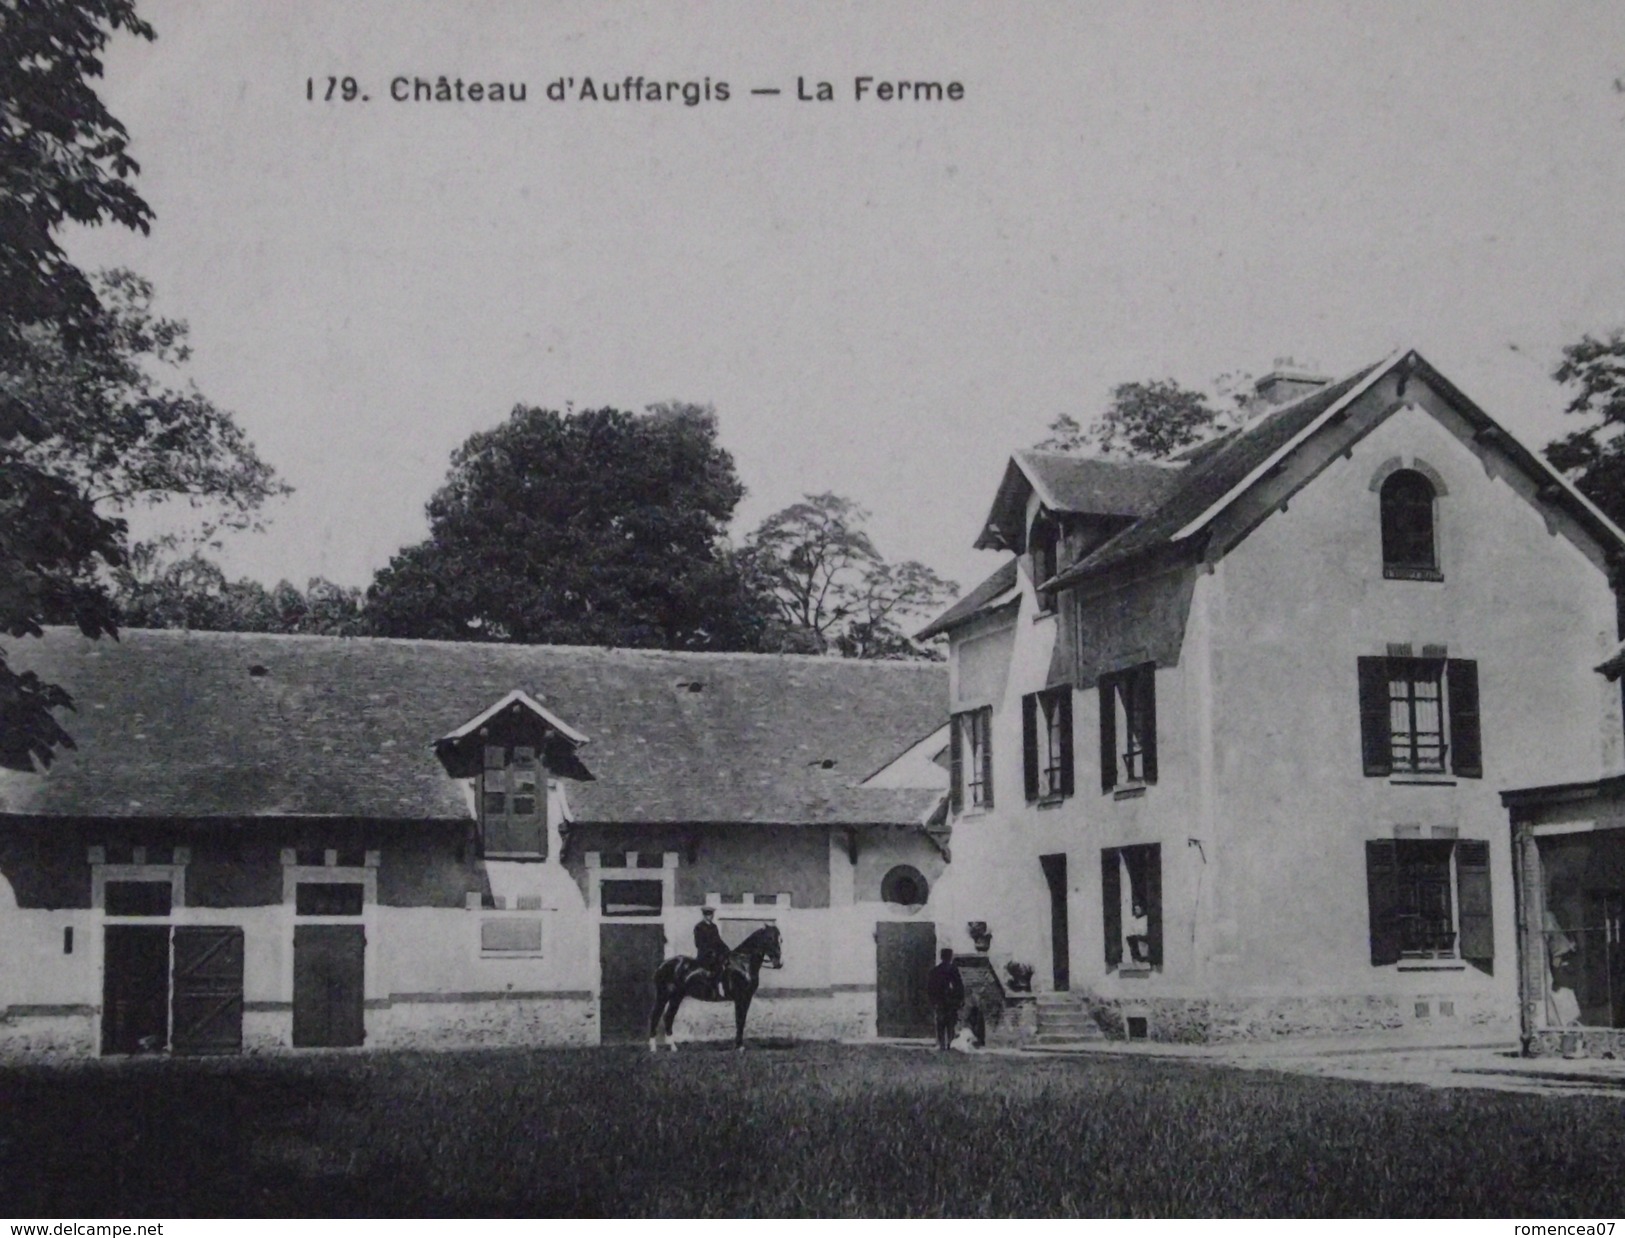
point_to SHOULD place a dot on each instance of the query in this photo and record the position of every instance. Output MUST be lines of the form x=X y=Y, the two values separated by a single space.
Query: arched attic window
x=1409 y=544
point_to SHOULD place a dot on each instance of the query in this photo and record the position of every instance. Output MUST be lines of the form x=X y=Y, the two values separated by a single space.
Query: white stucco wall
x=1261 y=807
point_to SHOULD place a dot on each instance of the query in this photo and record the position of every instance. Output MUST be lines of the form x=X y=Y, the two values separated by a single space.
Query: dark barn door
x=628 y=955
x=135 y=988
x=329 y=969
x=208 y=1003
x=1060 y=951
x=905 y=952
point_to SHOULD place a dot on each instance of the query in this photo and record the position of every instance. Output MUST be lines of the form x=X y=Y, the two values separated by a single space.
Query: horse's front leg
x=741 y=1007
x=670 y=1036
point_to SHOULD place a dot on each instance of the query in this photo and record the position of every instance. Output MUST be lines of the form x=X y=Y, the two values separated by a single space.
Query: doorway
x=628 y=956
x=329 y=984
x=1059 y=934
x=905 y=952
x=135 y=988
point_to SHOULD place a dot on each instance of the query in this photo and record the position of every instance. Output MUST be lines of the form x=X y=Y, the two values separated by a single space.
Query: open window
x=1429 y=901
x=1046 y=735
x=1131 y=904
x=971 y=759
x=1409 y=551
x=1419 y=716
x=1128 y=727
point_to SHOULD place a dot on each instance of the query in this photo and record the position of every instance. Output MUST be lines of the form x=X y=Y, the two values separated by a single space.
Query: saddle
x=706 y=983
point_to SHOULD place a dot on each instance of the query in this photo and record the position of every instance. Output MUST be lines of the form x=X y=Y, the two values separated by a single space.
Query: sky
x=880 y=298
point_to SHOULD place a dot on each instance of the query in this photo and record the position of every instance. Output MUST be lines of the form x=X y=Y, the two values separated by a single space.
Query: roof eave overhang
x=1010 y=600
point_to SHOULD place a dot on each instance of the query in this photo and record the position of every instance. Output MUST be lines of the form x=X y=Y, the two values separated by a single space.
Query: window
x=905 y=886
x=1131 y=903
x=137 y=898
x=1429 y=899
x=512 y=810
x=971 y=758
x=1408 y=551
x=511 y=935
x=1128 y=726
x=329 y=898
x=1046 y=740
x=1044 y=545
x=632 y=898
x=1420 y=716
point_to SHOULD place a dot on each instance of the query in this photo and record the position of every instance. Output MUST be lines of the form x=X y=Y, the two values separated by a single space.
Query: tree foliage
x=594 y=527
x=832 y=590
x=194 y=593
x=1149 y=420
x=1594 y=457
x=63 y=157
x=120 y=425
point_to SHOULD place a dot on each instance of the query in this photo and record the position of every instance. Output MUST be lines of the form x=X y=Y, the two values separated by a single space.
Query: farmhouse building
x=265 y=841
x=1230 y=732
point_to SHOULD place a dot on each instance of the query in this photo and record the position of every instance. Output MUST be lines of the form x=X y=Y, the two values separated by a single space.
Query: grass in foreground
x=811 y=1130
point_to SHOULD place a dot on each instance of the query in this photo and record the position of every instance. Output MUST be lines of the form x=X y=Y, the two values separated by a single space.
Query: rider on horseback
x=710 y=951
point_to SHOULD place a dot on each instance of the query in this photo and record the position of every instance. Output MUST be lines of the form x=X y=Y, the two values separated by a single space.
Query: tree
x=597 y=527
x=833 y=591
x=1151 y=420
x=63 y=157
x=1593 y=458
x=119 y=432
x=194 y=593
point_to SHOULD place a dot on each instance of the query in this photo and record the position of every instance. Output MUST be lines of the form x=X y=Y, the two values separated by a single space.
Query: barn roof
x=210 y=724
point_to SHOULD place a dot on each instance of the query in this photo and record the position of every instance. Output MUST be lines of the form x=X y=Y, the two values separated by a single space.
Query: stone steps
x=1063 y=1020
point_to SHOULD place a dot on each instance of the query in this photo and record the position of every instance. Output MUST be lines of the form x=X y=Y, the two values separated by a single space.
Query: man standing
x=710 y=951
x=946 y=990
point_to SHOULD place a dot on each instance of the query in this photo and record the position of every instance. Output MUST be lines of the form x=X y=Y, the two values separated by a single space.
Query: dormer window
x=509 y=783
x=508 y=752
x=1409 y=550
x=1044 y=546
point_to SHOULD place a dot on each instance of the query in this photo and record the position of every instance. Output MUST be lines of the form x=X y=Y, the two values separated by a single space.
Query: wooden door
x=628 y=955
x=1059 y=933
x=207 y=1012
x=135 y=988
x=905 y=952
x=329 y=973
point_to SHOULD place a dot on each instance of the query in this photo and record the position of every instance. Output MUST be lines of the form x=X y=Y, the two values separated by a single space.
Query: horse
x=681 y=977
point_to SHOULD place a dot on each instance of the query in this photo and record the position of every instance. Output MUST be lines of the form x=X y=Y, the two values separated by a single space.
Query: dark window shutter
x=1063 y=716
x=1111 y=906
x=956 y=762
x=1473 y=885
x=1108 y=733
x=1029 y=744
x=1381 y=879
x=1147 y=677
x=1153 y=901
x=987 y=757
x=1376 y=741
x=1466 y=746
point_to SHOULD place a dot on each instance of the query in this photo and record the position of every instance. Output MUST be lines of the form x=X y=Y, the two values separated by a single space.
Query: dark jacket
x=709 y=948
x=945 y=987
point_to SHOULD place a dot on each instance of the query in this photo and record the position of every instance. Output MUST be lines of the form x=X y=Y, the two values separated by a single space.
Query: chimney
x=1284 y=384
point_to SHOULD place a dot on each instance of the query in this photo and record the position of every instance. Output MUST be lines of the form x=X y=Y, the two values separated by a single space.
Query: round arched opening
x=905 y=886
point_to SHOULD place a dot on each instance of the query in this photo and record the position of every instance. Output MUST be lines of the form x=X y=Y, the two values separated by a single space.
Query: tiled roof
x=1092 y=486
x=1213 y=470
x=178 y=724
x=1076 y=485
x=989 y=595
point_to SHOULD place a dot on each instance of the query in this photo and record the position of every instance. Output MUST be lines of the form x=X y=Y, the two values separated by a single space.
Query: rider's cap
x=708 y=907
